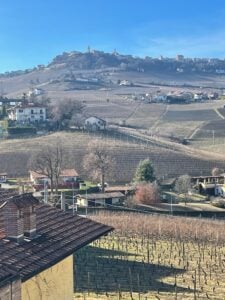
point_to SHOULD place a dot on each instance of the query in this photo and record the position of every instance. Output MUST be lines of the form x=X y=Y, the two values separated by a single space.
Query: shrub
x=22 y=130
x=147 y=193
x=219 y=203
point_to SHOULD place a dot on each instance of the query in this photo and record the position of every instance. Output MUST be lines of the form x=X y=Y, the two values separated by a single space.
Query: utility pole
x=73 y=199
x=171 y=203
x=63 y=205
x=86 y=209
x=213 y=133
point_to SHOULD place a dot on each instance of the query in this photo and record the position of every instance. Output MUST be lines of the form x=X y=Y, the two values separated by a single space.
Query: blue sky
x=34 y=31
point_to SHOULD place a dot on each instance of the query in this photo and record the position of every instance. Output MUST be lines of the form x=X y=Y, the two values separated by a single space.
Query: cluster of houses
x=22 y=113
x=212 y=185
x=175 y=97
x=70 y=179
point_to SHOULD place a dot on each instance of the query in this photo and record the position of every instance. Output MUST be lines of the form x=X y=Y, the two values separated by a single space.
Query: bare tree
x=182 y=185
x=99 y=162
x=66 y=110
x=147 y=193
x=48 y=161
x=217 y=171
x=77 y=120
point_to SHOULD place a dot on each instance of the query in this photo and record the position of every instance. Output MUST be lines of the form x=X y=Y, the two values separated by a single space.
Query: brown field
x=168 y=162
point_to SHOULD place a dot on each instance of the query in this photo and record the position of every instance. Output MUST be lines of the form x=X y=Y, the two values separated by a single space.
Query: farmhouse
x=35 y=92
x=94 y=123
x=66 y=177
x=37 y=243
x=27 y=113
x=99 y=199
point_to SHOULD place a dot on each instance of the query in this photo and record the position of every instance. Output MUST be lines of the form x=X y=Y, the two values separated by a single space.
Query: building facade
x=27 y=114
x=94 y=124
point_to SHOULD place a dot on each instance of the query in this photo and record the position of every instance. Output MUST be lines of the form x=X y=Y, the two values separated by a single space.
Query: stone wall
x=11 y=290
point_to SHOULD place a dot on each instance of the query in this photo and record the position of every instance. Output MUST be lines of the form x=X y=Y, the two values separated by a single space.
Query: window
x=33 y=209
x=20 y=110
x=32 y=111
x=41 y=111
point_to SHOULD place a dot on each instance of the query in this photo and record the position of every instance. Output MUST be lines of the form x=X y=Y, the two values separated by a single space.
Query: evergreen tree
x=144 y=172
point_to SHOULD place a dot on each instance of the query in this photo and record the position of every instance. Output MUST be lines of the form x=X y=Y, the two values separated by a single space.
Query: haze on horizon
x=33 y=32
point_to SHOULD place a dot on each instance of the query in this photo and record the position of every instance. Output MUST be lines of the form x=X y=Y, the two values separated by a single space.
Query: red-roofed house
x=68 y=178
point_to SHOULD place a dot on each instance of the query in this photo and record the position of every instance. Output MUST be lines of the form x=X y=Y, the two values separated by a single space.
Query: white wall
x=29 y=114
x=94 y=123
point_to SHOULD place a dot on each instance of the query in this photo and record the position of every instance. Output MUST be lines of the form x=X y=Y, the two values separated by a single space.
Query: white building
x=126 y=83
x=27 y=113
x=198 y=96
x=99 y=199
x=94 y=123
x=35 y=92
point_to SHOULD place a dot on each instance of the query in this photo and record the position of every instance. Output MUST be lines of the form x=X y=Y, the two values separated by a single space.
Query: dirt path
x=155 y=124
x=218 y=113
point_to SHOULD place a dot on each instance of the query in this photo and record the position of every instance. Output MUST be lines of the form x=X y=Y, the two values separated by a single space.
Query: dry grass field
x=153 y=257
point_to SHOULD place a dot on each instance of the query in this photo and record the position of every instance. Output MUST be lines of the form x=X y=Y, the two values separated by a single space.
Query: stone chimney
x=19 y=217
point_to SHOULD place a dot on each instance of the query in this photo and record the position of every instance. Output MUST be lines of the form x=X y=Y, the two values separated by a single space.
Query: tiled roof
x=98 y=196
x=65 y=172
x=119 y=188
x=19 y=200
x=24 y=200
x=7 y=193
x=6 y=274
x=96 y=118
x=59 y=234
